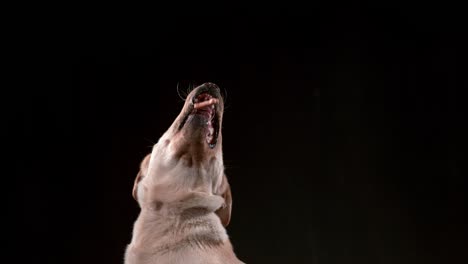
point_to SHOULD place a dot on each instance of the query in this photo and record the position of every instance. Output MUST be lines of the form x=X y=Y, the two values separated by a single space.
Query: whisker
x=225 y=97
x=150 y=141
x=225 y=94
x=190 y=87
x=177 y=88
x=227 y=104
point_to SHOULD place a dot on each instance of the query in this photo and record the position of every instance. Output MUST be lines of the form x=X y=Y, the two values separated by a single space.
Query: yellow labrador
x=183 y=193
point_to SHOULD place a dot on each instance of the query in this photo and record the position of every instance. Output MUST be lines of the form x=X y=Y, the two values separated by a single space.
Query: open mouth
x=204 y=106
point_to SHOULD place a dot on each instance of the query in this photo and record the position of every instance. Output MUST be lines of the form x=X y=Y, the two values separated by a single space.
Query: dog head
x=188 y=158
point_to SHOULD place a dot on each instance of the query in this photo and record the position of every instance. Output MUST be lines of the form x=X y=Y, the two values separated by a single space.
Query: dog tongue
x=204 y=105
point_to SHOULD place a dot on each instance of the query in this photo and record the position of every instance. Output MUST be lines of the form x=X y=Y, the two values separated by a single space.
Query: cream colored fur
x=184 y=196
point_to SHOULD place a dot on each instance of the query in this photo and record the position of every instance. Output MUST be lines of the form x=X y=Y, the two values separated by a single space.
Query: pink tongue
x=202 y=106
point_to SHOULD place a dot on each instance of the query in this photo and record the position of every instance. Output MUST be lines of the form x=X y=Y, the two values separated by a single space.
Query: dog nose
x=211 y=85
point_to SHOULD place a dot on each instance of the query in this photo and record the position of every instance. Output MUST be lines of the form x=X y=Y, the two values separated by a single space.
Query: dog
x=183 y=193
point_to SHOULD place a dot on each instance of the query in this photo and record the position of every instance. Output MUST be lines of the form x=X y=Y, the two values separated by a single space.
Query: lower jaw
x=197 y=127
x=197 y=136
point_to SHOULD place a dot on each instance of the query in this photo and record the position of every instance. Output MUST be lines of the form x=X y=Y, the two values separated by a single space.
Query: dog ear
x=224 y=213
x=141 y=174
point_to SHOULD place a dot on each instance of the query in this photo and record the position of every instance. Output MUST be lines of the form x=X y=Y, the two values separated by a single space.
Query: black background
x=341 y=132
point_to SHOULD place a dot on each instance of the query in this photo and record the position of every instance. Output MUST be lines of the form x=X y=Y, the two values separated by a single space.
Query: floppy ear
x=141 y=174
x=224 y=212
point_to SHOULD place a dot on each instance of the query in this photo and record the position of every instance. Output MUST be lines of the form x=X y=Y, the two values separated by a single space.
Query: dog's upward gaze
x=183 y=193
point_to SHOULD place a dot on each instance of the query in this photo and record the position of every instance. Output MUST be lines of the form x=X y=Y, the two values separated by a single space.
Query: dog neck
x=181 y=224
